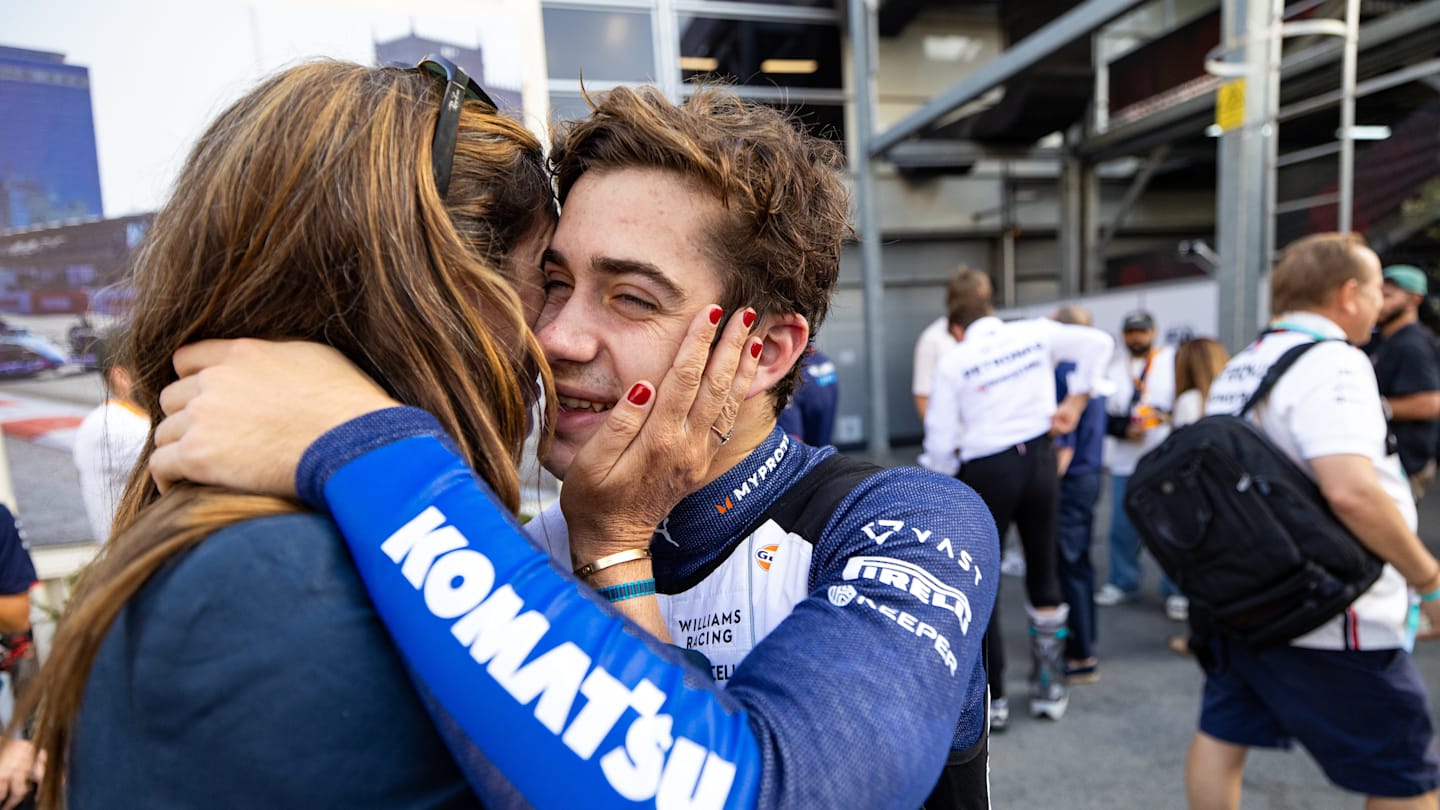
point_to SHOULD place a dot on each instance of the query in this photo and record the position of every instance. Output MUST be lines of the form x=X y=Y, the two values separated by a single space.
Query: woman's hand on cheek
x=659 y=442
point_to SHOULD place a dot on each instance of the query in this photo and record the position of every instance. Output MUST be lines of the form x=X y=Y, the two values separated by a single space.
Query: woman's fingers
x=17 y=763
x=716 y=402
x=739 y=385
x=598 y=459
x=683 y=382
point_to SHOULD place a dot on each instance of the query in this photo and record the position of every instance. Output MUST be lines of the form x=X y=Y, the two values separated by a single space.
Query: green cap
x=1407 y=277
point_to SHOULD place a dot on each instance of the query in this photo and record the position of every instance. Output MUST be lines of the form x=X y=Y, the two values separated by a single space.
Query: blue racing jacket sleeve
x=543 y=690
x=563 y=699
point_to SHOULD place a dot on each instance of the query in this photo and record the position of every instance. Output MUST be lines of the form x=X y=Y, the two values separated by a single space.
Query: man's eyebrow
x=630 y=267
x=621 y=267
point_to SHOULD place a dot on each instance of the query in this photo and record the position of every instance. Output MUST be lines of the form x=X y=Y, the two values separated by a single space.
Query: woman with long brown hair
x=1198 y=362
x=222 y=648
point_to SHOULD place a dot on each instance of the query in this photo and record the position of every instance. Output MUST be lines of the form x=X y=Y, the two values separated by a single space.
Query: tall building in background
x=49 y=172
x=408 y=50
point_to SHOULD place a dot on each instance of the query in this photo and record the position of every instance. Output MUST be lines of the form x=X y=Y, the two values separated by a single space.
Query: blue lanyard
x=1286 y=326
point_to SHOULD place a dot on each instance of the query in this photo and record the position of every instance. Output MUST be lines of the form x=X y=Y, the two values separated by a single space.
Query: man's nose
x=568 y=334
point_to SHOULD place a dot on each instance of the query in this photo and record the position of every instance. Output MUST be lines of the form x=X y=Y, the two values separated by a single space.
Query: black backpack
x=1243 y=531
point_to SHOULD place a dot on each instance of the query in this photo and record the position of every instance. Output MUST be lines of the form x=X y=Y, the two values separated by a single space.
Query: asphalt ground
x=1121 y=745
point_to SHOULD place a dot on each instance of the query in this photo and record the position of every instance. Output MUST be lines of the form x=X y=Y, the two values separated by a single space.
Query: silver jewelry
x=724 y=437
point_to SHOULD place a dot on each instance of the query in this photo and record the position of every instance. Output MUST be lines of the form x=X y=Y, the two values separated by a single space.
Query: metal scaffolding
x=1248 y=114
x=863 y=34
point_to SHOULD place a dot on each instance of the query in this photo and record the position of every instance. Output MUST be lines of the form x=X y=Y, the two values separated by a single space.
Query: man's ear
x=786 y=337
x=118 y=383
x=1346 y=295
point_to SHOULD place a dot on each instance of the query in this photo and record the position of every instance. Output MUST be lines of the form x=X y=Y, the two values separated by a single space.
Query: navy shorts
x=1364 y=716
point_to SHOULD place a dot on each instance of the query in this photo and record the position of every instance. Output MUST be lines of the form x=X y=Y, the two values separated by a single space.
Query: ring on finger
x=724 y=437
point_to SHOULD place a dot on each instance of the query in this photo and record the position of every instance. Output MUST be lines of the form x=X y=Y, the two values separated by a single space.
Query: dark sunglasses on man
x=458 y=87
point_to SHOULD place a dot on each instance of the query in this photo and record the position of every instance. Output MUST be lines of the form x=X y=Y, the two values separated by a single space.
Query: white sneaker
x=1051 y=707
x=1109 y=596
x=1177 y=608
x=1012 y=564
x=999 y=714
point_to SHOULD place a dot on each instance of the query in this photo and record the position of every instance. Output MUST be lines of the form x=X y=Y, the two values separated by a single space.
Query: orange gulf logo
x=765 y=556
x=722 y=508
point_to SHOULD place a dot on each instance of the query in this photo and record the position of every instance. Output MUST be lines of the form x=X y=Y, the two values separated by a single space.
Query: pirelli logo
x=914 y=580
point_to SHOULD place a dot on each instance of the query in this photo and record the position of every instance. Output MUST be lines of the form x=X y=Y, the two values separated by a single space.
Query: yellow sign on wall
x=1230 y=105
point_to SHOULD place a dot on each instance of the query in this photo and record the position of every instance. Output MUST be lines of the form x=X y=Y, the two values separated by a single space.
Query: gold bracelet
x=629 y=554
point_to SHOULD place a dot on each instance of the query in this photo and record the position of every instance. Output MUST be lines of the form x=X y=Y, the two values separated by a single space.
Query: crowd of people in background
x=1329 y=416
x=1125 y=411
x=991 y=412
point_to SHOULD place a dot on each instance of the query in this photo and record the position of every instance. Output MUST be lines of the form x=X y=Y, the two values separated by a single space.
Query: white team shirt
x=1327 y=404
x=1121 y=455
x=996 y=388
x=929 y=347
x=107 y=444
x=1189 y=408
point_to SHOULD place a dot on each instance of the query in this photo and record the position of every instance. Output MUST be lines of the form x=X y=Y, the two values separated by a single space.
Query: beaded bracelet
x=627 y=590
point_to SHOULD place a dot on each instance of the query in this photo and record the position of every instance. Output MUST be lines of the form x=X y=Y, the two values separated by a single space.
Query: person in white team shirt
x=108 y=442
x=992 y=412
x=929 y=348
x=1348 y=690
x=933 y=342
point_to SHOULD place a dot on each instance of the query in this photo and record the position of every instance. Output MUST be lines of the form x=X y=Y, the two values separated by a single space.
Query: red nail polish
x=748 y=318
x=639 y=394
x=716 y=313
x=755 y=349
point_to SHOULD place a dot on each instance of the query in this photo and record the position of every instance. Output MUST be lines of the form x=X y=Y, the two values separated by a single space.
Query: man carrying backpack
x=1347 y=690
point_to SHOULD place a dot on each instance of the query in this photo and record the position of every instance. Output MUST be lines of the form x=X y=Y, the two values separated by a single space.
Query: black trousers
x=1021 y=486
x=965 y=782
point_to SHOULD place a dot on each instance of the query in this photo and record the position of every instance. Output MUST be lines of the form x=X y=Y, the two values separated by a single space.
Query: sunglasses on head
x=458 y=87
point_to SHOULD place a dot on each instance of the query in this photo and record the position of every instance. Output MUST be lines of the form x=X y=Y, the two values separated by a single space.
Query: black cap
x=1138 y=321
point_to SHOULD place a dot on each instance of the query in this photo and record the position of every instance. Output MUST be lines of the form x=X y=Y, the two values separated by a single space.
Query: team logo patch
x=765 y=556
x=841 y=595
x=756 y=479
